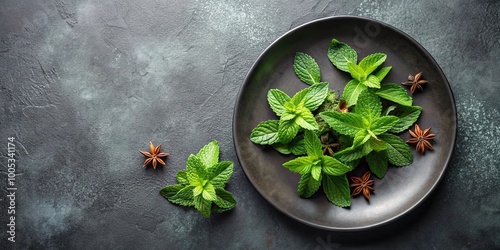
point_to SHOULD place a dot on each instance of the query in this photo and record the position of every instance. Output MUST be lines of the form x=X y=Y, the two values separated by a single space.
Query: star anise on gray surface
x=415 y=82
x=421 y=138
x=154 y=156
x=363 y=185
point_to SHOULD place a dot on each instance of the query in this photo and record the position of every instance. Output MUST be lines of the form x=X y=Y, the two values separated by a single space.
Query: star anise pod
x=421 y=138
x=154 y=157
x=415 y=82
x=363 y=185
x=327 y=144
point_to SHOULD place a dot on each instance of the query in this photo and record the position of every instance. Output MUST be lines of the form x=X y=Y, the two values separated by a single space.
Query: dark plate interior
x=403 y=188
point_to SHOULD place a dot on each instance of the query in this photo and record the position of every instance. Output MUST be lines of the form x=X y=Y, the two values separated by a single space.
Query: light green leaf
x=377 y=162
x=209 y=192
x=197 y=190
x=203 y=206
x=312 y=144
x=289 y=114
x=398 y=151
x=301 y=165
x=340 y=54
x=316 y=96
x=171 y=190
x=276 y=99
x=357 y=72
x=361 y=137
x=372 y=82
x=382 y=73
x=368 y=105
x=300 y=97
x=337 y=190
x=343 y=123
x=316 y=172
x=209 y=154
x=349 y=154
x=371 y=62
x=265 y=133
x=394 y=93
x=306 y=68
x=308 y=185
x=377 y=144
x=382 y=124
x=306 y=120
x=332 y=166
x=196 y=171
x=287 y=130
x=352 y=91
x=181 y=177
x=408 y=115
x=183 y=197
x=220 y=173
x=225 y=200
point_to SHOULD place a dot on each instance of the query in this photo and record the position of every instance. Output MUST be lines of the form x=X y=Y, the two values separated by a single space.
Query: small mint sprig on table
x=202 y=183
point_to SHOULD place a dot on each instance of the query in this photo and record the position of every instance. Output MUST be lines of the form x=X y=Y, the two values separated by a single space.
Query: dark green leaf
x=308 y=185
x=332 y=166
x=183 y=197
x=295 y=147
x=316 y=96
x=337 y=190
x=398 y=151
x=306 y=68
x=377 y=162
x=203 y=206
x=171 y=190
x=301 y=165
x=276 y=99
x=265 y=133
x=343 y=123
x=408 y=115
x=225 y=200
x=181 y=177
x=287 y=130
x=340 y=54
x=394 y=93
x=220 y=173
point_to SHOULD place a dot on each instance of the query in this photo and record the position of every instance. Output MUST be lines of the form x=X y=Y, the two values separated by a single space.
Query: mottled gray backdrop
x=86 y=84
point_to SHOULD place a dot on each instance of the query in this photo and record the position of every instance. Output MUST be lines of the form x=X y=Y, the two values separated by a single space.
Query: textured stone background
x=85 y=84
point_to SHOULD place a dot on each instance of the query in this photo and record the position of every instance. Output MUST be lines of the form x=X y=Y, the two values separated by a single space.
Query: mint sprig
x=202 y=183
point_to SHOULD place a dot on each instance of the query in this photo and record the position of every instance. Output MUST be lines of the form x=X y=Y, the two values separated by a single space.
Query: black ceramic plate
x=402 y=189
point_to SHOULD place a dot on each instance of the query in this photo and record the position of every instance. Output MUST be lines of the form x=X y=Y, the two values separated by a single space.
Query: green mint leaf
x=209 y=154
x=349 y=154
x=171 y=190
x=398 y=151
x=183 y=197
x=276 y=99
x=203 y=206
x=181 y=177
x=340 y=54
x=337 y=190
x=361 y=137
x=312 y=144
x=394 y=93
x=300 y=97
x=209 y=192
x=371 y=62
x=266 y=133
x=372 y=82
x=389 y=109
x=343 y=123
x=196 y=171
x=225 y=200
x=316 y=96
x=306 y=68
x=307 y=186
x=382 y=73
x=287 y=130
x=408 y=115
x=306 y=120
x=368 y=105
x=377 y=144
x=316 y=172
x=352 y=91
x=332 y=166
x=295 y=147
x=220 y=173
x=377 y=162
x=357 y=72
x=289 y=114
x=301 y=165
x=383 y=124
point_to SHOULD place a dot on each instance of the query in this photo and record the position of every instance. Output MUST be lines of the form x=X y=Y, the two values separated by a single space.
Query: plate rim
x=374 y=225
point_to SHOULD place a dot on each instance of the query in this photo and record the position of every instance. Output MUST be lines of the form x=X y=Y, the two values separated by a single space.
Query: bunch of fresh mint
x=202 y=183
x=364 y=128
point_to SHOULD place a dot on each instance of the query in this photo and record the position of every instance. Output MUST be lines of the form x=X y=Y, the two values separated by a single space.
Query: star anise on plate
x=421 y=138
x=327 y=144
x=415 y=82
x=362 y=185
x=154 y=156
